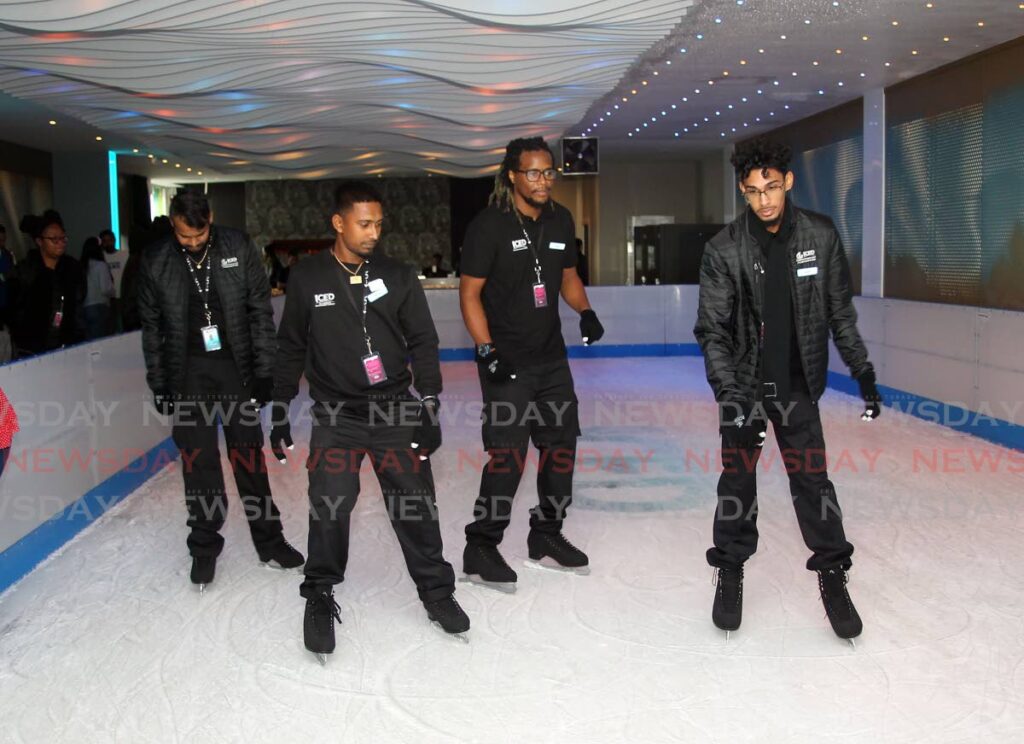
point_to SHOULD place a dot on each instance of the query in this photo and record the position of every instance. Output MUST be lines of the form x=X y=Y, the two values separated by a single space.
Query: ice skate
x=485 y=566
x=203 y=569
x=318 y=624
x=282 y=557
x=553 y=552
x=727 y=611
x=838 y=606
x=447 y=614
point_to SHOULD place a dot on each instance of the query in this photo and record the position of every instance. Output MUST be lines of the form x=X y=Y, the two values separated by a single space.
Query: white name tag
x=809 y=271
x=556 y=246
x=229 y=263
x=376 y=290
x=805 y=256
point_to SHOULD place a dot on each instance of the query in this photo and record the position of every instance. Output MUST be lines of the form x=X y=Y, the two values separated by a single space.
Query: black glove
x=590 y=327
x=498 y=370
x=280 y=430
x=869 y=393
x=426 y=440
x=740 y=428
x=262 y=391
x=163 y=402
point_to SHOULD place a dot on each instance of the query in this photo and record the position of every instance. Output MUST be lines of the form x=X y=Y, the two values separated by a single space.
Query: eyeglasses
x=55 y=238
x=772 y=190
x=550 y=174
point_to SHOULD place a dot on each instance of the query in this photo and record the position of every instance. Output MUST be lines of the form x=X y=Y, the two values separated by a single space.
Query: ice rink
x=108 y=641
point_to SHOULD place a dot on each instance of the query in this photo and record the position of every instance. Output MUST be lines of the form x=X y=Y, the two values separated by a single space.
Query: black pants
x=337 y=447
x=540 y=404
x=802 y=447
x=213 y=391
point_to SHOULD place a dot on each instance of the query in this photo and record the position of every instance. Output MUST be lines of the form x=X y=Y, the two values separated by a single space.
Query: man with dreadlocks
x=519 y=255
x=772 y=285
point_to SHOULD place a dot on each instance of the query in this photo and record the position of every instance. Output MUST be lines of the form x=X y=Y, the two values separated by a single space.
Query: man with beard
x=208 y=341
x=519 y=255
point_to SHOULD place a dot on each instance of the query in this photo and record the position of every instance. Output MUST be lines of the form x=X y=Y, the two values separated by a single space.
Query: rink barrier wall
x=940 y=363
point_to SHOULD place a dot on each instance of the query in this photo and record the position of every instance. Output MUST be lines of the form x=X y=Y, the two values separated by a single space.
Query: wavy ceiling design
x=301 y=89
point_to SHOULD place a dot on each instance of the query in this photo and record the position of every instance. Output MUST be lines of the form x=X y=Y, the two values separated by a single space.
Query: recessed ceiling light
x=655 y=72
x=667 y=62
x=888 y=64
x=682 y=51
x=624 y=99
x=164 y=161
x=863 y=74
x=718 y=20
x=929 y=5
x=744 y=100
x=98 y=138
x=839 y=51
x=815 y=63
x=864 y=38
x=711 y=82
x=895 y=23
x=177 y=165
x=782 y=36
x=616 y=106
x=673 y=105
x=53 y=122
x=794 y=73
x=760 y=51
x=700 y=36
x=840 y=83
x=725 y=73
x=743 y=61
x=945 y=38
x=135 y=149
x=643 y=82
x=633 y=91
x=914 y=52
x=189 y=170
x=981 y=24
x=199 y=173
x=821 y=92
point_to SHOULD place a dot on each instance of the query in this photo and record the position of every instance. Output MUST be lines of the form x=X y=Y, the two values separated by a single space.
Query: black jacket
x=240 y=283
x=321 y=333
x=34 y=300
x=730 y=313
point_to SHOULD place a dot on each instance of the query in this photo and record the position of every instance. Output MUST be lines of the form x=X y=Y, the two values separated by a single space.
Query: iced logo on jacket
x=519 y=245
x=325 y=299
x=805 y=256
x=228 y=263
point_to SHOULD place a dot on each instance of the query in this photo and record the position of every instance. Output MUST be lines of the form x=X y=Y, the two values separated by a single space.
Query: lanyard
x=348 y=293
x=204 y=291
x=529 y=244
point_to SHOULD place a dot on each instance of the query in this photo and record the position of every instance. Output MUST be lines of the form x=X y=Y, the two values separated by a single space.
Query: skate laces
x=491 y=553
x=326 y=603
x=832 y=586
x=730 y=580
x=562 y=541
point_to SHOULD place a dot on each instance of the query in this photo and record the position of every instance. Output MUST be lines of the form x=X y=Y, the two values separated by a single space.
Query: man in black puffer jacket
x=773 y=284
x=208 y=339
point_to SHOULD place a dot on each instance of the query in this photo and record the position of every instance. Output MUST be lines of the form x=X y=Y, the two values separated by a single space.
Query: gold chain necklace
x=354 y=277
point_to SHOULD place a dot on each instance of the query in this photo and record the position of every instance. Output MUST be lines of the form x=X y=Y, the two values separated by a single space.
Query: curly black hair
x=760 y=153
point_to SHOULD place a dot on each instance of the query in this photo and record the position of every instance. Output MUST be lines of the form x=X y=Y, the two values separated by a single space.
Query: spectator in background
x=46 y=290
x=6 y=267
x=116 y=261
x=99 y=291
x=435 y=270
x=8 y=428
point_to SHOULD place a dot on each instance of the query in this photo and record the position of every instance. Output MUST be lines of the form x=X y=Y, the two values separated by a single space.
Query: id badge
x=374 y=368
x=211 y=338
x=540 y=295
x=58 y=318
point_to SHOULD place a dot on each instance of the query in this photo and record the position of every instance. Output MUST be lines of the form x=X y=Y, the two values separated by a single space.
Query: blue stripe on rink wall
x=597 y=351
x=982 y=424
x=31 y=550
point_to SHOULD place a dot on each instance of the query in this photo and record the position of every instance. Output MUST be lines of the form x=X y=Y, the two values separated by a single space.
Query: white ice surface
x=108 y=641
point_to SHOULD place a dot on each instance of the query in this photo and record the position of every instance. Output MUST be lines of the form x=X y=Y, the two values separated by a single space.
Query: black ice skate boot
x=318 y=624
x=203 y=569
x=447 y=613
x=838 y=605
x=563 y=555
x=282 y=555
x=484 y=565
x=727 y=611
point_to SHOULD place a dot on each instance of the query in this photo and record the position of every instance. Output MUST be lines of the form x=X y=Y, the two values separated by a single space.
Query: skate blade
x=549 y=564
x=506 y=587
x=322 y=658
x=852 y=642
x=460 y=638
x=201 y=588
x=275 y=566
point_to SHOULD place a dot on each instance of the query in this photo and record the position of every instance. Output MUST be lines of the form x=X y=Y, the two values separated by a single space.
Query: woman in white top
x=99 y=291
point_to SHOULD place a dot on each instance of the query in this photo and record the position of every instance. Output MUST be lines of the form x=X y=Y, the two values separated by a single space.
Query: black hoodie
x=37 y=294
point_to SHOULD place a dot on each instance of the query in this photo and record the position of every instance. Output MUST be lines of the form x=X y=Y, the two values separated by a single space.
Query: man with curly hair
x=773 y=283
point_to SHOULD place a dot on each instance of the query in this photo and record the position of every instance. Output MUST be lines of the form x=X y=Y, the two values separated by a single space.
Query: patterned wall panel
x=417 y=214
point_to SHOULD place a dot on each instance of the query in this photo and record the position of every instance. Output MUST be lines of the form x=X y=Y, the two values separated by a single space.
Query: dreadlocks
x=501 y=196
